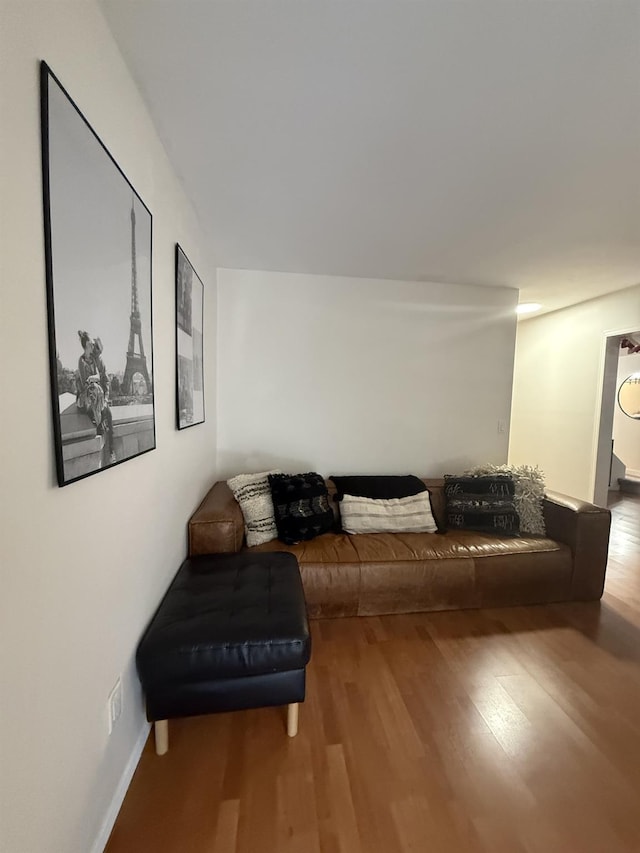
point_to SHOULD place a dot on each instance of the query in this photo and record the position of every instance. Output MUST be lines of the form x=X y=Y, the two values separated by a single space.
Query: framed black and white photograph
x=98 y=268
x=189 y=352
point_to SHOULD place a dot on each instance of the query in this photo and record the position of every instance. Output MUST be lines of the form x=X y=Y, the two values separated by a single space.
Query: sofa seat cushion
x=479 y=545
x=395 y=547
x=402 y=547
x=417 y=585
x=330 y=570
x=421 y=572
x=327 y=548
x=522 y=578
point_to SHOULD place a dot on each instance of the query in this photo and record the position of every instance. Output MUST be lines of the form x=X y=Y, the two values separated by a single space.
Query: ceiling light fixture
x=528 y=307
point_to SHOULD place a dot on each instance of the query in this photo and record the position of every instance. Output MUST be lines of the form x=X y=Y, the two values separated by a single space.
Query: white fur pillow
x=394 y=515
x=254 y=496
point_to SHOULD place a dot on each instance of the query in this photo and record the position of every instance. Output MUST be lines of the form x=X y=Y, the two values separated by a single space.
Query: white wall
x=352 y=375
x=626 y=430
x=82 y=567
x=558 y=385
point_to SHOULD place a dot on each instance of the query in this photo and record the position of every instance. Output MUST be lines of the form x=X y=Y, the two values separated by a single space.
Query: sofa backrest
x=438 y=503
x=217 y=526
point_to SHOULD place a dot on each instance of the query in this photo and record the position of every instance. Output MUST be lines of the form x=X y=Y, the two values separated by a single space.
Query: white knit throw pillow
x=254 y=496
x=393 y=515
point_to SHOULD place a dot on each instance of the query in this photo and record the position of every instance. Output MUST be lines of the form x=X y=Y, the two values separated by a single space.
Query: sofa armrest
x=584 y=527
x=217 y=526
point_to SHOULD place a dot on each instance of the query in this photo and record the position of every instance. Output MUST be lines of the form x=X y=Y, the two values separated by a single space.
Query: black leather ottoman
x=230 y=633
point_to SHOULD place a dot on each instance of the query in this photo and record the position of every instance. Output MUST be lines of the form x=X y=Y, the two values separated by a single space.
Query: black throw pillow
x=301 y=506
x=484 y=503
x=381 y=487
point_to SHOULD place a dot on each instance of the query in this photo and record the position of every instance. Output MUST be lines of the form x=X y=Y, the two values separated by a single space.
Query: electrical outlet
x=114 y=704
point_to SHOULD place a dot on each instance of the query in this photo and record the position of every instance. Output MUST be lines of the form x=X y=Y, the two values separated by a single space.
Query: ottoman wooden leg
x=292 y=719
x=161 y=731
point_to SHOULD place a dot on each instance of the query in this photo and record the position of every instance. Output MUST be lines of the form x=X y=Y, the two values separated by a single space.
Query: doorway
x=606 y=465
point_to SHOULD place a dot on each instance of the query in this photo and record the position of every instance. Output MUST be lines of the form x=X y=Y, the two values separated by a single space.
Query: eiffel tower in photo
x=136 y=361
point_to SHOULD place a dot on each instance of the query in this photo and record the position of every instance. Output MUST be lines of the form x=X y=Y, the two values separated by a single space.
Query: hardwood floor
x=506 y=731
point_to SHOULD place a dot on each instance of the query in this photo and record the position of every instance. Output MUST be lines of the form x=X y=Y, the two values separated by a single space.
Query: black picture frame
x=98 y=255
x=189 y=343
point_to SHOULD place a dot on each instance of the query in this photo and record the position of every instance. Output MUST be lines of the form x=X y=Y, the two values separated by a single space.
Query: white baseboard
x=118 y=798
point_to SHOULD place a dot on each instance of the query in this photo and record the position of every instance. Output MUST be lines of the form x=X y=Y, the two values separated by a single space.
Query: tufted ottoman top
x=227 y=616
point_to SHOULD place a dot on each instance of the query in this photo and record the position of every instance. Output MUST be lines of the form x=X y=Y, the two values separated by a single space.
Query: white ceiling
x=491 y=142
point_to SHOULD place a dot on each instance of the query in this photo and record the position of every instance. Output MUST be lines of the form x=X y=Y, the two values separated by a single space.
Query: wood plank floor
x=514 y=730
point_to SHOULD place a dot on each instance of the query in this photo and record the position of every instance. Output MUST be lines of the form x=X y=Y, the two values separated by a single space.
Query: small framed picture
x=189 y=346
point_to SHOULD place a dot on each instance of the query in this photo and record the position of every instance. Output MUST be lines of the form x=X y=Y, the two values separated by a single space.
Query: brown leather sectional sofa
x=372 y=574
